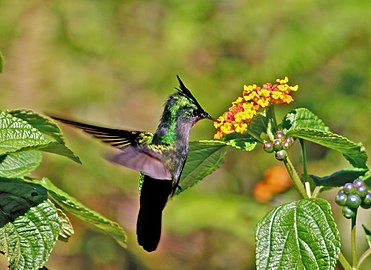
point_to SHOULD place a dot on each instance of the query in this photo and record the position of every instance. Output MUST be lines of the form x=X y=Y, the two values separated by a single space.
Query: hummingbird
x=159 y=157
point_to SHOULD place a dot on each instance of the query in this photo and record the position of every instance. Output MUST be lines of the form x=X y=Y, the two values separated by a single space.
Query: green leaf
x=240 y=141
x=258 y=126
x=17 y=197
x=60 y=149
x=76 y=208
x=29 y=239
x=66 y=227
x=204 y=157
x=353 y=152
x=303 y=118
x=19 y=164
x=368 y=235
x=339 y=178
x=16 y=134
x=298 y=235
x=50 y=130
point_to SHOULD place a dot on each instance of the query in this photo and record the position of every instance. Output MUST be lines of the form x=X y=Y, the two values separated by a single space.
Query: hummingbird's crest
x=184 y=91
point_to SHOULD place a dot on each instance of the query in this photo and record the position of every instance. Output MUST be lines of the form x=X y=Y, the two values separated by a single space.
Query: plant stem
x=344 y=262
x=305 y=167
x=354 y=242
x=295 y=178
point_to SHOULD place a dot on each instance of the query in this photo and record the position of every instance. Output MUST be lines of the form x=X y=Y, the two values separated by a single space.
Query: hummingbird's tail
x=153 y=197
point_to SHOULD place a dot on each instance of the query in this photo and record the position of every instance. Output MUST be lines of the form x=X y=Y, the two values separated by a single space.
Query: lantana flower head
x=254 y=97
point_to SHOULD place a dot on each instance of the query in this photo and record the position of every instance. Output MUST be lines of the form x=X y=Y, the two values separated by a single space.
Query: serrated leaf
x=66 y=227
x=29 y=239
x=76 y=208
x=17 y=197
x=258 y=125
x=240 y=141
x=368 y=235
x=19 y=164
x=49 y=129
x=298 y=235
x=353 y=152
x=16 y=134
x=339 y=178
x=303 y=118
x=204 y=157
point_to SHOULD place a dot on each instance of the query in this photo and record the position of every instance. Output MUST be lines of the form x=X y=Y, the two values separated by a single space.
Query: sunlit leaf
x=339 y=178
x=353 y=152
x=49 y=129
x=30 y=238
x=204 y=157
x=16 y=134
x=17 y=197
x=19 y=164
x=76 y=208
x=303 y=118
x=66 y=227
x=298 y=235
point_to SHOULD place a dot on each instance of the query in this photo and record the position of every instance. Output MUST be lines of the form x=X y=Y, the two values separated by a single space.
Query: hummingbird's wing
x=135 y=149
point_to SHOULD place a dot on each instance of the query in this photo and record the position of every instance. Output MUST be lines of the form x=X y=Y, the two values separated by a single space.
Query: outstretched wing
x=134 y=145
x=116 y=137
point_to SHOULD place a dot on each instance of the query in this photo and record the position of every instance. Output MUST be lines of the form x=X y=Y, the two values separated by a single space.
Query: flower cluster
x=254 y=97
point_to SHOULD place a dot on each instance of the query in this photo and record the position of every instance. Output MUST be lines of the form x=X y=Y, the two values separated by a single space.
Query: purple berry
x=349 y=188
x=341 y=198
x=268 y=147
x=277 y=145
x=358 y=183
x=281 y=155
x=279 y=135
x=361 y=191
x=353 y=201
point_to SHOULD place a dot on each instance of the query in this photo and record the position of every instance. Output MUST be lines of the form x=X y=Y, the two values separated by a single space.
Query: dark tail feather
x=153 y=198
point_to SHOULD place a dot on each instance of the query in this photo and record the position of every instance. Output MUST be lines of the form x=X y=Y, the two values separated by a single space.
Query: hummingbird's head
x=183 y=106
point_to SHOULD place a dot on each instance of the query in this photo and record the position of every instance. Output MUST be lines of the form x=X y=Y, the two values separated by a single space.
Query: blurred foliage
x=114 y=63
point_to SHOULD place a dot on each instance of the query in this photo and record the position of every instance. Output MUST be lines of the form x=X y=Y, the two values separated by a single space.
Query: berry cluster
x=279 y=145
x=353 y=195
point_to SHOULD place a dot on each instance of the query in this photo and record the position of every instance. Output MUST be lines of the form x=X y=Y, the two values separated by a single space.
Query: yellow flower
x=240 y=127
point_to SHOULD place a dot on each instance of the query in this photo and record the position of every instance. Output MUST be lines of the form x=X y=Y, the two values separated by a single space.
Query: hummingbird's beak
x=208 y=116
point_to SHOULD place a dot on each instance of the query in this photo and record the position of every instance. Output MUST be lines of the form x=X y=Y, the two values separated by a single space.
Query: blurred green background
x=114 y=63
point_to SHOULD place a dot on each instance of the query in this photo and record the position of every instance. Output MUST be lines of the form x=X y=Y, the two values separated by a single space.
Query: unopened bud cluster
x=279 y=145
x=352 y=196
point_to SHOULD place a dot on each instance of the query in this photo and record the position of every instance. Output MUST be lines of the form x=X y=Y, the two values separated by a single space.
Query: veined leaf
x=339 y=178
x=353 y=152
x=17 y=197
x=76 y=208
x=204 y=157
x=298 y=235
x=19 y=164
x=303 y=118
x=50 y=130
x=66 y=227
x=16 y=134
x=29 y=239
